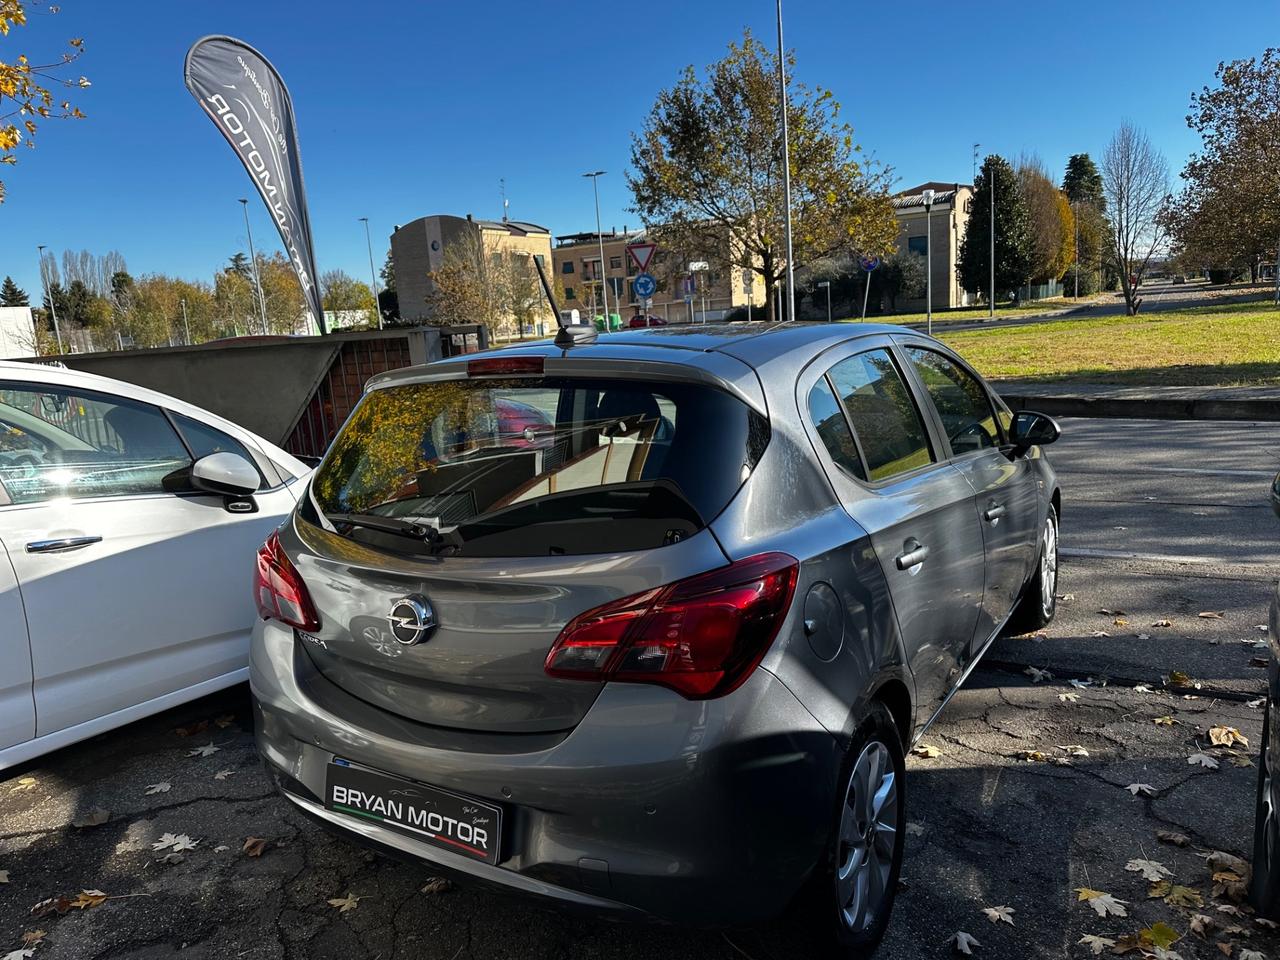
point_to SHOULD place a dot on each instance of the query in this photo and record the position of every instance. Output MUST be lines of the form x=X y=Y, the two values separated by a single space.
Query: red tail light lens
x=279 y=590
x=702 y=637
x=505 y=366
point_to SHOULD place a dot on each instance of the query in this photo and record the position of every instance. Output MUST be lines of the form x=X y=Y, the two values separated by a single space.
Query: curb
x=1145 y=408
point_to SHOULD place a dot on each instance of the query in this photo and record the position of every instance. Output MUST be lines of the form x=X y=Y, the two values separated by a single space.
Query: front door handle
x=993 y=512
x=914 y=553
x=60 y=544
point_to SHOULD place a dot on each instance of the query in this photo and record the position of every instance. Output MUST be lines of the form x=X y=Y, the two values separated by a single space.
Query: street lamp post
x=928 y=261
x=604 y=290
x=991 y=297
x=186 y=327
x=253 y=258
x=827 y=284
x=53 y=307
x=373 y=276
x=786 y=167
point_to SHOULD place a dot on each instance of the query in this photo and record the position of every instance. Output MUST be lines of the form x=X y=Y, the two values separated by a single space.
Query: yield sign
x=641 y=254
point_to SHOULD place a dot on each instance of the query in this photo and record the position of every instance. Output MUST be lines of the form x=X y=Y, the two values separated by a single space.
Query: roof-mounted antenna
x=569 y=334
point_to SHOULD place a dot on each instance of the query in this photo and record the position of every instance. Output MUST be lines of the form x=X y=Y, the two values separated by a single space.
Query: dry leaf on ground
x=223 y=774
x=925 y=750
x=343 y=904
x=1223 y=736
x=437 y=885
x=94 y=818
x=998 y=914
x=1069 y=697
x=88 y=898
x=254 y=846
x=1150 y=869
x=161 y=787
x=1141 y=789
x=1037 y=675
x=1095 y=943
x=1180 y=896
x=1177 y=839
x=964 y=942
x=1211 y=614
x=205 y=750
x=1203 y=760
x=1104 y=904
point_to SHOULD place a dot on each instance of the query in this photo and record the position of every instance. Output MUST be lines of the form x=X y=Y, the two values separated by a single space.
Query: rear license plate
x=435 y=816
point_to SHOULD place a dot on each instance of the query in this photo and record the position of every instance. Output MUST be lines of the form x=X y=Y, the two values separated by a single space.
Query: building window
x=569 y=294
x=615 y=263
x=567 y=267
x=918 y=245
x=541 y=260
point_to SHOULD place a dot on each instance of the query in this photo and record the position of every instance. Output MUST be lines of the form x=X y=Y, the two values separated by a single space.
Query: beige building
x=946 y=224
x=420 y=247
x=710 y=293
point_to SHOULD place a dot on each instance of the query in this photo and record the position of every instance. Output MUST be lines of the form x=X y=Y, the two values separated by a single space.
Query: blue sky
x=406 y=109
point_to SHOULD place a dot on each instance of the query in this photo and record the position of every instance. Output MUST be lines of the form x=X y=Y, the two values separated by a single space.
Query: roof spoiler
x=569 y=334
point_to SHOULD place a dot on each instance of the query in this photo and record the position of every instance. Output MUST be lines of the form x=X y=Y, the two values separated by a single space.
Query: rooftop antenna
x=506 y=204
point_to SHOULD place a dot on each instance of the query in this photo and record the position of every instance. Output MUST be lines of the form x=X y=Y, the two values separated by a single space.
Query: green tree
x=11 y=295
x=1082 y=183
x=1013 y=237
x=286 y=308
x=238 y=263
x=707 y=168
x=901 y=275
x=24 y=98
x=343 y=294
x=1050 y=222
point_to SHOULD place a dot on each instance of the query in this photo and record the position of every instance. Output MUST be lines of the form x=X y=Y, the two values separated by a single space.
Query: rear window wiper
x=402 y=528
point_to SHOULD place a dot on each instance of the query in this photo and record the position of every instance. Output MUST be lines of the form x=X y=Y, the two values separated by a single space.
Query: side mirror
x=1275 y=495
x=226 y=474
x=1031 y=429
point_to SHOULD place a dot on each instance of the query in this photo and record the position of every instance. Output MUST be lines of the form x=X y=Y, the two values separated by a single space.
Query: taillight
x=504 y=366
x=279 y=590
x=702 y=637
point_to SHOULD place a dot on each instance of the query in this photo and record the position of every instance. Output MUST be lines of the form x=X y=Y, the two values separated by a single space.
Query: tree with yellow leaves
x=24 y=97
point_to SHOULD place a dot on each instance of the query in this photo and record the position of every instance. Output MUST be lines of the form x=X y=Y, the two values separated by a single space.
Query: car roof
x=753 y=342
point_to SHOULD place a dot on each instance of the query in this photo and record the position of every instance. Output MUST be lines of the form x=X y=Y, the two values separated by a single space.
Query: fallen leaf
x=1033 y=756
x=1228 y=909
x=1080 y=684
x=166 y=840
x=207 y=750
x=88 y=898
x=161 y=787
x=1095 y=943
x=1104 y=904
x=1037 y=675
x=964 y=942
x=1180 y=896
x=193 y=729
x=254 y=846
x=184 y=842
x=32 y=937
x=1163 y=623
x=1144 y=636
x=1227 y=737
x=1255 y=704
x=1159 y=890
x=221 y=848
x=1141 y=789
x=1150 y=869
x=998 y=914
x=1142 y=687
x=1100 y=633
x=1204 y=760
x=1164 y=721
x=1107 y=613
x=1211 y=614
x=226 y=720
x=1248 y=954
x=1160 y=935
x=1202 y=923
x=1120 y=622
x=1264 y=922
x=1177 y=839
x=24 y=783
x=1066 y=597
x=1240 y=760
x=926 y=750
x=94 y=818
x=22 y=953
x=349 y=902
x=59 y=905
x=1069 y=697
x=1074 y=750
x=223 y=774
x=915 y=829
x=437 y=885
x=1179 y=678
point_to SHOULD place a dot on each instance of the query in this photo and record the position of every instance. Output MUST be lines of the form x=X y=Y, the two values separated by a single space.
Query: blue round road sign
x=869 y=263
x=645 y=286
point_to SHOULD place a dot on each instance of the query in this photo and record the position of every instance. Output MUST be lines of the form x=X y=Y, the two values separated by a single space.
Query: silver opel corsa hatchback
x=643 y=626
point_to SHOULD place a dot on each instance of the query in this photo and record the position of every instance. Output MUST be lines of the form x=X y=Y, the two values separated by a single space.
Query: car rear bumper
x=709 y=813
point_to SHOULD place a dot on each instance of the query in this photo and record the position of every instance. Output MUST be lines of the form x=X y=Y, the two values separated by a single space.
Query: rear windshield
x=538 y=467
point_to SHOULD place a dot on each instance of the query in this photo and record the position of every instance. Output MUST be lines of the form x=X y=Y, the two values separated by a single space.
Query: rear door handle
x=914 y=553
x=994 y=512
x=60 y=544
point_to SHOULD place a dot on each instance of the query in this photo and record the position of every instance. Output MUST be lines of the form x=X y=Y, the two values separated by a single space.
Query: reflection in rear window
x=538 y=467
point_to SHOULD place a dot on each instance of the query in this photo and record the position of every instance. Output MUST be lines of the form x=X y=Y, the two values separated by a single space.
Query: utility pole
x=786 y=168
x=53 y=307
x=991 y=178
x=928 y=261
x=185 y=325
x=604 y=292
x=373 y=275
x=1075 y=273
x=257 y=278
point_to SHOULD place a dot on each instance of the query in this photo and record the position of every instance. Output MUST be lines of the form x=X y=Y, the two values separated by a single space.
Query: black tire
x=1037 y=605
x=1264 y=892
x=820 y=917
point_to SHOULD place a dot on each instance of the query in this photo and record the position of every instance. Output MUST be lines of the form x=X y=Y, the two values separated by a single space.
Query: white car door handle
x=62 y=543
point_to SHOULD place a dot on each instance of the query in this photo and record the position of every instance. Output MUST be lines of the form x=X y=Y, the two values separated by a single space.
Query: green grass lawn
x=973 y=313
x=1230 y=345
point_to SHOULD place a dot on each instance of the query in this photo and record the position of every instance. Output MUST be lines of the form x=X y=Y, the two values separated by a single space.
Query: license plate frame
x=441 y=818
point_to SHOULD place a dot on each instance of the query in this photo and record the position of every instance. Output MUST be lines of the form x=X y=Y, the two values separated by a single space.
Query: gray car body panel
x=704 y=812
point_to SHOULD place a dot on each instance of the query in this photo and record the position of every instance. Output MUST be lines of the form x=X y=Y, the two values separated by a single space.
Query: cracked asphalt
x=987 y=827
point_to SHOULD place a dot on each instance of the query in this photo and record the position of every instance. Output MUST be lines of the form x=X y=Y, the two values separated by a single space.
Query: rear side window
x=833 y=428
x=961 y=401
x=882 y=413
x=539 y=467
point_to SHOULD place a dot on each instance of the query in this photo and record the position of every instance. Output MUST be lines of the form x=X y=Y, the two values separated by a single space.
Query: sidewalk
x=1143 y=403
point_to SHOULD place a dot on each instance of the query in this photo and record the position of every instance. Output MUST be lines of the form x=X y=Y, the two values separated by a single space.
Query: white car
x=128 y=526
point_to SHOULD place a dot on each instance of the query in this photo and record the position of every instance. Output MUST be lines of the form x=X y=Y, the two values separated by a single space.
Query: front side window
x=961 y=401
x=540 y=466
x=883 y=414
x=57 y=442
x=203 y=440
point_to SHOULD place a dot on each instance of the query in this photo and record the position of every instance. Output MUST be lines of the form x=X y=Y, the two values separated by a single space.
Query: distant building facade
x=943 y=231
x=420 y=247
x=712 y=293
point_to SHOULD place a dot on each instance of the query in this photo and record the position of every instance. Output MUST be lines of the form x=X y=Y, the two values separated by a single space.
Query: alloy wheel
x=868 y=834
x=1049 y=565
x=1270 y=817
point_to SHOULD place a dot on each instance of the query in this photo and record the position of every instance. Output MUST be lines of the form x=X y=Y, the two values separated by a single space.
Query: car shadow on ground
x=987 y=827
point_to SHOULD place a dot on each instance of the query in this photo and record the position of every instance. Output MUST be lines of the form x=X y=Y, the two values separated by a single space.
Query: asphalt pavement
x=1025 y=803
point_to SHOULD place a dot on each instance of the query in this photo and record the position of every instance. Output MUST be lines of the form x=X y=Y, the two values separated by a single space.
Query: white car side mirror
x=226 y=474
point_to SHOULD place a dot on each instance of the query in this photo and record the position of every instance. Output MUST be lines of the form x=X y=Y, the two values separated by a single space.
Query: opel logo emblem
x=411 y=619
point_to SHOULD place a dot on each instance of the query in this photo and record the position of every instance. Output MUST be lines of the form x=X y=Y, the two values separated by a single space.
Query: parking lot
x=1026 y=801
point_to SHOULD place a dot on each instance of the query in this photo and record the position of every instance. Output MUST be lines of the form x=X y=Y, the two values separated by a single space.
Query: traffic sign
x=645 y=285
x=869 y=263
x=641 y=254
